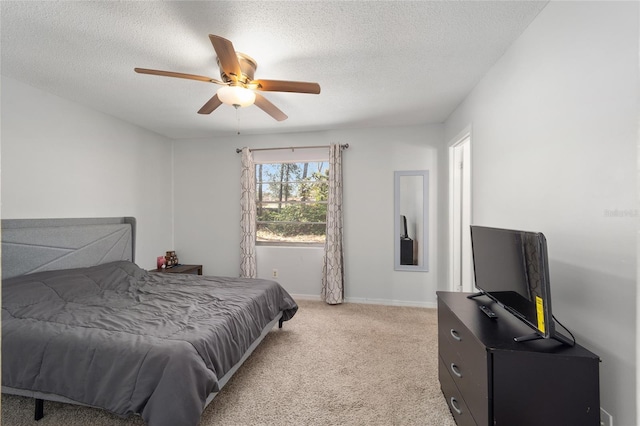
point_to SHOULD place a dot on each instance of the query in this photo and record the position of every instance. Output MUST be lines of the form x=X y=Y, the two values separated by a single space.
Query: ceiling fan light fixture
x=236 y=95
x=236 y=73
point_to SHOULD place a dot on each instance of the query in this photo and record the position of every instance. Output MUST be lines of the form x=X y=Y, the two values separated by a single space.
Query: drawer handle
x=456 y=370
x=455 y=335
x=454 y=405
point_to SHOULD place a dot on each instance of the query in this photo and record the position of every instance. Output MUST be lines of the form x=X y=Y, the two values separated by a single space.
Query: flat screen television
x=511 y=267
x=403 y=227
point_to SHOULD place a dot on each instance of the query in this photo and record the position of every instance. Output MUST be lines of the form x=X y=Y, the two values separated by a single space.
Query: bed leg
x=280 y=323
x=39 y=409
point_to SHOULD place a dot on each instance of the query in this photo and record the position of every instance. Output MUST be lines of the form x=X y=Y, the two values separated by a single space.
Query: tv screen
x=511 y=267
x=403 y=227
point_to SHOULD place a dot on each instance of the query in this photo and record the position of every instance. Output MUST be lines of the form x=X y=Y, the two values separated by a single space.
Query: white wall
x=299 y=268
x=60 y=159
x=207 y=210
x=554 y=136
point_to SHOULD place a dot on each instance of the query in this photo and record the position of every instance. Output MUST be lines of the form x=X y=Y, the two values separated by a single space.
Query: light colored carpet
x=350 y=364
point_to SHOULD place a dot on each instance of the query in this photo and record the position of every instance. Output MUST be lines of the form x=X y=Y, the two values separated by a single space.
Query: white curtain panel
x=333 y=269
x=248 y=268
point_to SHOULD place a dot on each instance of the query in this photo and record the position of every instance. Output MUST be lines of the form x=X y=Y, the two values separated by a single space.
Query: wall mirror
x=411 y=202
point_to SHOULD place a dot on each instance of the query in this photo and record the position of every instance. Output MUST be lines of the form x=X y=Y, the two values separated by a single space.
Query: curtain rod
x=292 y=148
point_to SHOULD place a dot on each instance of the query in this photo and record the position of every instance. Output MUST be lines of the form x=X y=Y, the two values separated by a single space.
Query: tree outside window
x=291 y=202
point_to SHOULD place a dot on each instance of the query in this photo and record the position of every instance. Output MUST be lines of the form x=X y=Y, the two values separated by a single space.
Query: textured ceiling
x=379 y=63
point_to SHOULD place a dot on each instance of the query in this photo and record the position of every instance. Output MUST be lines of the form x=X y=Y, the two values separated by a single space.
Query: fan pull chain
x=237 y=118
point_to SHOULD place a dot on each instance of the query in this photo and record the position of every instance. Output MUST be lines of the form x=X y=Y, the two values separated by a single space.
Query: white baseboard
x=386 y=302
x=392 y=302
x=306 y=297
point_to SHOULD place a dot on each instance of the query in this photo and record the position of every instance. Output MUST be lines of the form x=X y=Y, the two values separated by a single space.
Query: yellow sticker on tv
x=540 y=312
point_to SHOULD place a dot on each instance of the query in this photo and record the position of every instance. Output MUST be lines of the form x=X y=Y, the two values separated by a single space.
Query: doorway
x=460 y=257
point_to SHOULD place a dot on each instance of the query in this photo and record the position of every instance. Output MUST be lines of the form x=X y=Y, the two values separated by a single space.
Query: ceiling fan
x=239 y=87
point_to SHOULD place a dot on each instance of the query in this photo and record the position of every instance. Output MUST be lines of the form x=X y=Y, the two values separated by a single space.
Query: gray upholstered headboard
x=34 y=245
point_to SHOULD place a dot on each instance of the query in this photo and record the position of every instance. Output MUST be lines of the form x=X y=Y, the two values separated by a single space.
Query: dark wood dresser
x=490 y=380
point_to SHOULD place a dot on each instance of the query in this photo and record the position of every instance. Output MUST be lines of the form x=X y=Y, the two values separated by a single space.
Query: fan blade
x=178 y=75
x=211 y=105
x=226 y=55
x=269 y=108
x=287 y=86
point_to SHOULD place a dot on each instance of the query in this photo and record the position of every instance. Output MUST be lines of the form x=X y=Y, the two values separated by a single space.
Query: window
x=291 y=202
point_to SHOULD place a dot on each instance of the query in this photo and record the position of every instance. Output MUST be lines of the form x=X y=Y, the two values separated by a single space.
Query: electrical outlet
x=605 y=418
x=275 y=273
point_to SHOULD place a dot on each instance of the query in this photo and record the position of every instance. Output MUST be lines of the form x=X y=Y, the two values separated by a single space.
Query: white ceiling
x=379 y=63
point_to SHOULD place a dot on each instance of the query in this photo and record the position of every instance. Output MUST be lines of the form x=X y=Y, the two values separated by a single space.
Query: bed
x=83 y=324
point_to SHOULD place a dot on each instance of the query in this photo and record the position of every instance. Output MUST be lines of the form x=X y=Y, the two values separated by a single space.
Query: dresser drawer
x=451 y=330
x=454 y=397
x=468 y=371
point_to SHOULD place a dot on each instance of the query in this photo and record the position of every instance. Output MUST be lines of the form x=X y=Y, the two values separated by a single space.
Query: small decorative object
x=171 y=259
x=161 y=262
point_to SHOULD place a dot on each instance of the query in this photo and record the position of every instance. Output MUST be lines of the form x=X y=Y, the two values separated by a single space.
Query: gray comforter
x=117 y=337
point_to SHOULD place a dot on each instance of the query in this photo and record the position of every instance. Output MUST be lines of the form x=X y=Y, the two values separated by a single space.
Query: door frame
x=456 y=257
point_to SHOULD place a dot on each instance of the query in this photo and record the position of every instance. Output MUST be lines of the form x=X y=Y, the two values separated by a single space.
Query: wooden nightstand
x=181 y=269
